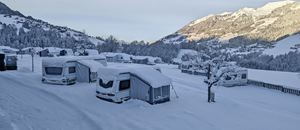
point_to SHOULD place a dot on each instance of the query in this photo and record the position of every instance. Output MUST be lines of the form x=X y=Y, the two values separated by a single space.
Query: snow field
x=29 y=104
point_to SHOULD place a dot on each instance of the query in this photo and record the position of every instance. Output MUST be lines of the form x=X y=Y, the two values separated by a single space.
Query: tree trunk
x=209 y=93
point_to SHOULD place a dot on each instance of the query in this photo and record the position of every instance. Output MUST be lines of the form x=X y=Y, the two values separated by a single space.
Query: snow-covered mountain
x=28 y=31
x=246 y=27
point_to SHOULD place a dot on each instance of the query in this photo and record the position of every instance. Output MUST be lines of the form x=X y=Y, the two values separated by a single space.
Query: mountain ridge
x=268 y=23
x=35 y=32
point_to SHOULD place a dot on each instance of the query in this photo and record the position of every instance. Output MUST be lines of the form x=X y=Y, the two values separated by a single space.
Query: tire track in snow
x=48 y=96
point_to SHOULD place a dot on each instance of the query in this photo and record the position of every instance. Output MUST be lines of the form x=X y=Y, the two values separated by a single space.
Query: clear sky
x=129 y=20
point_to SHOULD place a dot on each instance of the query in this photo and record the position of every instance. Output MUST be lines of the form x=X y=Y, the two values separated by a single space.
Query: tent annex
x=120 y=83
x=86 y=70
x=150 y=85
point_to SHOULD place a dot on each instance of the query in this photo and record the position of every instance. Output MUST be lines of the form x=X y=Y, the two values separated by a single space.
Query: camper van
x=62 y=70
x=237 y=78
x=118 y=84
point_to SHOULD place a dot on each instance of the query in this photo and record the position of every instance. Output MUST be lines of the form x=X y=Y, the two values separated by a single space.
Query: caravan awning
x=92 y=64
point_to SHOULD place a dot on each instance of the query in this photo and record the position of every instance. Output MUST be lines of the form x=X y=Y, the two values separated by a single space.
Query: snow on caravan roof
x=148 y=74
x=60 y=61
x=93 y=65
x=111 y=72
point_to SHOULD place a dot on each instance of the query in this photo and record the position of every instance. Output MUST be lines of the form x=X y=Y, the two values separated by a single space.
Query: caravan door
x=123 y=87
x=139 y=89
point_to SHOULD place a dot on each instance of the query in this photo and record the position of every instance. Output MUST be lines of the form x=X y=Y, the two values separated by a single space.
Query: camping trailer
x=59 y=71
x=62 y=70
x=237 y=78
x=121 y=83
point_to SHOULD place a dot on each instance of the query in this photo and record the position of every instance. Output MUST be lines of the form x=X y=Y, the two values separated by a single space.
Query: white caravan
x=113 y=84
x=237 y=78
x=62 y=70
x=120 y=83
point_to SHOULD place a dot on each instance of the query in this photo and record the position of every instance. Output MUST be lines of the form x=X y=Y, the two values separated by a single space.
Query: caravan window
x=157 y=93
x=227 y=77
x=72 y=70
x=109 y=84
x=244 y=76
x=53 y=70
x=125 y=84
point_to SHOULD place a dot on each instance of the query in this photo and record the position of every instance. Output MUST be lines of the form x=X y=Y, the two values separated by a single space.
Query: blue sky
x=129 y=20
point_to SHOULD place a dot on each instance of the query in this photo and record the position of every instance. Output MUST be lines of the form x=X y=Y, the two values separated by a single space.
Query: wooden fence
x=284 y=89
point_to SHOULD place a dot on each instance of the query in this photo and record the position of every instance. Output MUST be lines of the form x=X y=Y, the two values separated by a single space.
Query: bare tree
x=216 y=69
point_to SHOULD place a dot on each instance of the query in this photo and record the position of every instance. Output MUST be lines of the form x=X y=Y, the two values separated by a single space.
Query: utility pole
x=32 y=59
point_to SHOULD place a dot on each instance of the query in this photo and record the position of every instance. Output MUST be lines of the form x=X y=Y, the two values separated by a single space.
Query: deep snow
x=26 y=103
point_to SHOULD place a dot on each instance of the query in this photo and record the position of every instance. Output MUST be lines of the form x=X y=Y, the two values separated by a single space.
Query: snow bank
x=286 y=79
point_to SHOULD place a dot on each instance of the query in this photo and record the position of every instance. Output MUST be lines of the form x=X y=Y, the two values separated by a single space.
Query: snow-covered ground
x=26 y=103
x=284 y=46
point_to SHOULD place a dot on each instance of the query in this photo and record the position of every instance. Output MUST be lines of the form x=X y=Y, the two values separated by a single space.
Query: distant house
x=140 y=60
x=66 y=52
x=117 y=57
x=146 y=60
x=50 y=52
x=90 y=52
